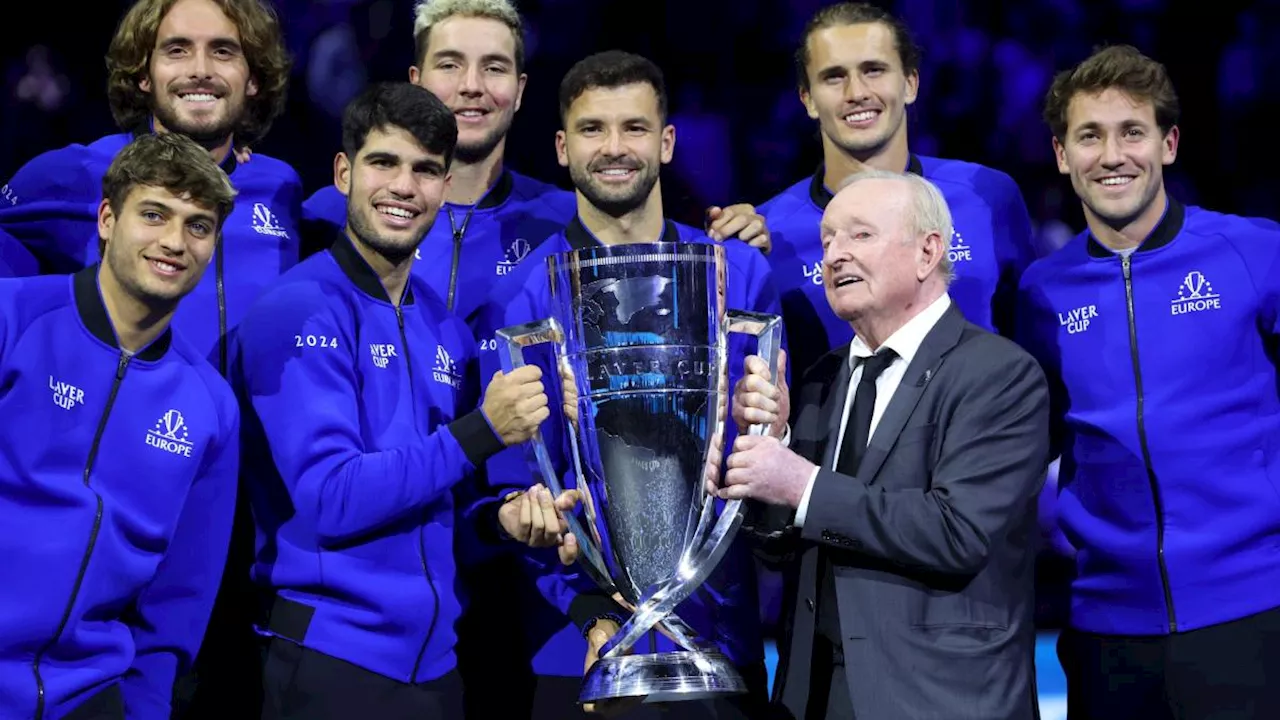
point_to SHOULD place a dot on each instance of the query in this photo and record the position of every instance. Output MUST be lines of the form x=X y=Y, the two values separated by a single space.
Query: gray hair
x=929 y=211
x=429 y=13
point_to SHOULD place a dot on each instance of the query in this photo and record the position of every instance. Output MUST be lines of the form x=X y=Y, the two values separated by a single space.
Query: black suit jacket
x=933 y=541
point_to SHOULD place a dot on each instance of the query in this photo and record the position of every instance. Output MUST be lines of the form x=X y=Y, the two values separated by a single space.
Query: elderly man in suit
x=909 y=480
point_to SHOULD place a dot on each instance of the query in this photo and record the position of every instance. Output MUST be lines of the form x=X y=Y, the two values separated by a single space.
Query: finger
x=736 y=491
x=782 y=367
x=756 y=416
x=755 y=365
x=731 y=225
x=762 y=398
x=568 y=500
x=568 y=550
x=526 y=515
x=550 y=518
x=744 y=443
x=526 y=374
x=753 y=230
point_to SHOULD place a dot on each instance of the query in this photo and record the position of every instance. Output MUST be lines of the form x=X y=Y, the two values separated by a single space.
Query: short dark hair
x=173 y=162
x=857 y=13
x=402 y=105
x=1121 y=67
x=129 y=61
x=611 y=69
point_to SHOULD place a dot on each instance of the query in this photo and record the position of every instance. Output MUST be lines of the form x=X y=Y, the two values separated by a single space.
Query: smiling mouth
x=616 y=173
x=847 y=281
x=396 y=212
x=1115 y=181
x=861 y=117
x=164 y=267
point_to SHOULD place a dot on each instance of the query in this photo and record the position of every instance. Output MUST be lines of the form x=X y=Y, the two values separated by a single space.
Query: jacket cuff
x=589 y=606
x=476 y=436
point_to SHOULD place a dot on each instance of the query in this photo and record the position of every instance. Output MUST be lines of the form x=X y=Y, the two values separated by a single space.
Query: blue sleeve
x=319 y=453
x=169 y=618
x=1015 y=248
x=1035 y=328
x=50 y=207
x=1262 y=261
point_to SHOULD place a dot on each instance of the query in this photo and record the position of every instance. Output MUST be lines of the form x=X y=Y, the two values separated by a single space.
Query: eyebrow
x=633 y=120
x=428 y=164
x=486 y=58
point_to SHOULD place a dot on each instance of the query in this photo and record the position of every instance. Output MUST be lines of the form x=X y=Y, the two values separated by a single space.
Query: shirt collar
x=906 y=341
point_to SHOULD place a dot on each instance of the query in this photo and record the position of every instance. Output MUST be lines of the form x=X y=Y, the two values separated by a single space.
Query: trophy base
x=662 y=677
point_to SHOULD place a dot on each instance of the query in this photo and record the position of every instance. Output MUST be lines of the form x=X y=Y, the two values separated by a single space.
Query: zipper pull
x=1124 y=266
x=124 y=363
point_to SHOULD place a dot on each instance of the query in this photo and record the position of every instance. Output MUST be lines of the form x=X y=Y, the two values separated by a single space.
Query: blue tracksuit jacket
x=117 y=489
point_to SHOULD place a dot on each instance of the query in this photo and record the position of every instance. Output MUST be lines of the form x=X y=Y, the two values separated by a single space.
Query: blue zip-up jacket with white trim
x=1165 y=405
x=361 y=423
x=117 y=490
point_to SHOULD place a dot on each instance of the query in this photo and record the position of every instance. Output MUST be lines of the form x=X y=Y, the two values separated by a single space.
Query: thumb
x=568 y=549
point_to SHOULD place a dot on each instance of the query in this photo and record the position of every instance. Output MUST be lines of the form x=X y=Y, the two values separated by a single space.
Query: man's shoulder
x=266 y=169
x=981 y=354
x=792 y=199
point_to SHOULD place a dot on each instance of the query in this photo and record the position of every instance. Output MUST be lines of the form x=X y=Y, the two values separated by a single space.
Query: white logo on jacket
x=446 y=370
x=382 y=354
x=65 y=395
x=518 y=251
x=170 y=434
x=1195 y=294
x=814 y=272
x=1077 y=320
x=266 y=223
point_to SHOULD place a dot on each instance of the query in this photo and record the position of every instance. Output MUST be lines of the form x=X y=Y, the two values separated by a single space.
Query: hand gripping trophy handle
x=713 y=537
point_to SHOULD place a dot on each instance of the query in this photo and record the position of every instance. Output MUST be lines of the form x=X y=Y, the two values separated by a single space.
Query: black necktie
x=858 y=432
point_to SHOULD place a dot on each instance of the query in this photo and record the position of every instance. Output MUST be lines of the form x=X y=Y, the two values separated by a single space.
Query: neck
x=469 y=182
x=136 y=323
x=392 y=274
x=218 y=150
x=1128 y=235
x=840 y=163
x=874 y=328
x=641 y=225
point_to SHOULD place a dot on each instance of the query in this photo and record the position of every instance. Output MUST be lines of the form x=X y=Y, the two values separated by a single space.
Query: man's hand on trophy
x=757 y=401
x=740 y=221
x=760 y=468
x=515 y=404
x=597 y=636
x=570 y=390
x=535 y=518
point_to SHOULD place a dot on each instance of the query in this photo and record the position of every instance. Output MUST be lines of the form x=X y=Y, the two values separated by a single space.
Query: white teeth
x=619 y=172
x=861 y=116
x=847 y=281
x=199 y=97
x=470 y=113
x=396 y=212
x=164 y=266
x=1116 y=181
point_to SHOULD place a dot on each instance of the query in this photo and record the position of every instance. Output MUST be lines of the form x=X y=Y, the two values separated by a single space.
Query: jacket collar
x=820 y=195
x=361 y=275
x=1175 y=214
x=499 y=193
x=93 y=313
x=580 y=238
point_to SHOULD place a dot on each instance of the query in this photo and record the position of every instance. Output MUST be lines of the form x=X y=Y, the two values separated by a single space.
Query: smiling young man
x=215 y=71
x=615 y=140
x=1157 y=327
x=117 y=484
x=352 y=497
x=858 y=71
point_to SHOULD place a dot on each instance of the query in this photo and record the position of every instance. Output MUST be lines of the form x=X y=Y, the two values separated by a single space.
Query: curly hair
x=129 y=60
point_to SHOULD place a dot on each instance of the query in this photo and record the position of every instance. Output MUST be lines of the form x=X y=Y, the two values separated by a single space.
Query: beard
x=394 y=250
x=615 y=202
x=208 y=134
x=475 y=153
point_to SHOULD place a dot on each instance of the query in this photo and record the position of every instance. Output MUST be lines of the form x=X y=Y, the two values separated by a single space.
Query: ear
x=342 y=173
x=913 y=87
x=807 y=99
x=562 y=154
x=414 y=74
x=524 y=79
x=251 y=88
x=668 y=143
x=106 y=221
x=931 y=253
x=1170 y=146
x=1060 y=154
x=144 y=83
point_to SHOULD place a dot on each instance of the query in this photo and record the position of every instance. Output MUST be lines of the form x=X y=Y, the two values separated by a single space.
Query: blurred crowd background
x=742 y=134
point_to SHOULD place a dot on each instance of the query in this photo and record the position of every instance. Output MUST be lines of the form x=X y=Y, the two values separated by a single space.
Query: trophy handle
x=711 y=544
x=512 y=342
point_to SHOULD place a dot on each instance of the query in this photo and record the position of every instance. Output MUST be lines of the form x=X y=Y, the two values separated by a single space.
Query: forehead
x=152 y=195
x=875 y=202
x=852 y=44
x=196 y=20
x=616 y=103
x=396 y=141
x=1109 y=107
x=472 y=37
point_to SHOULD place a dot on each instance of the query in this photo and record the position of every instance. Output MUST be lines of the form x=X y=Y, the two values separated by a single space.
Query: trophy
x=642 y=332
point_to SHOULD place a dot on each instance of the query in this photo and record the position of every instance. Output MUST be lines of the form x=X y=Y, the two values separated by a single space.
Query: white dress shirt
x=905 y=342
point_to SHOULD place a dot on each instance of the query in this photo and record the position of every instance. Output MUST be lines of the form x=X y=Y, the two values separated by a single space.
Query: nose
x=174 y=240
x=402 y=183
x=200 y=64
x=856 y=90
x=471 y=84
x=836 y=253
x=1112 y=154
x=613 y=146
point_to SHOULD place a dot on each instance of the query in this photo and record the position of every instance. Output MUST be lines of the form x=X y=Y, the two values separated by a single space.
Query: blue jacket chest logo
x=171 y=434
x=1195 y=294
x=445 y=369
x=265 y=222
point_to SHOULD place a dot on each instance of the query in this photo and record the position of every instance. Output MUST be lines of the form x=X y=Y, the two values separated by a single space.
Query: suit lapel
x=833 y=408
x=941 y=339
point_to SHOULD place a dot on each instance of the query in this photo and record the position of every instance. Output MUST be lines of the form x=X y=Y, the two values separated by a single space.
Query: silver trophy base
x=662 y=677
